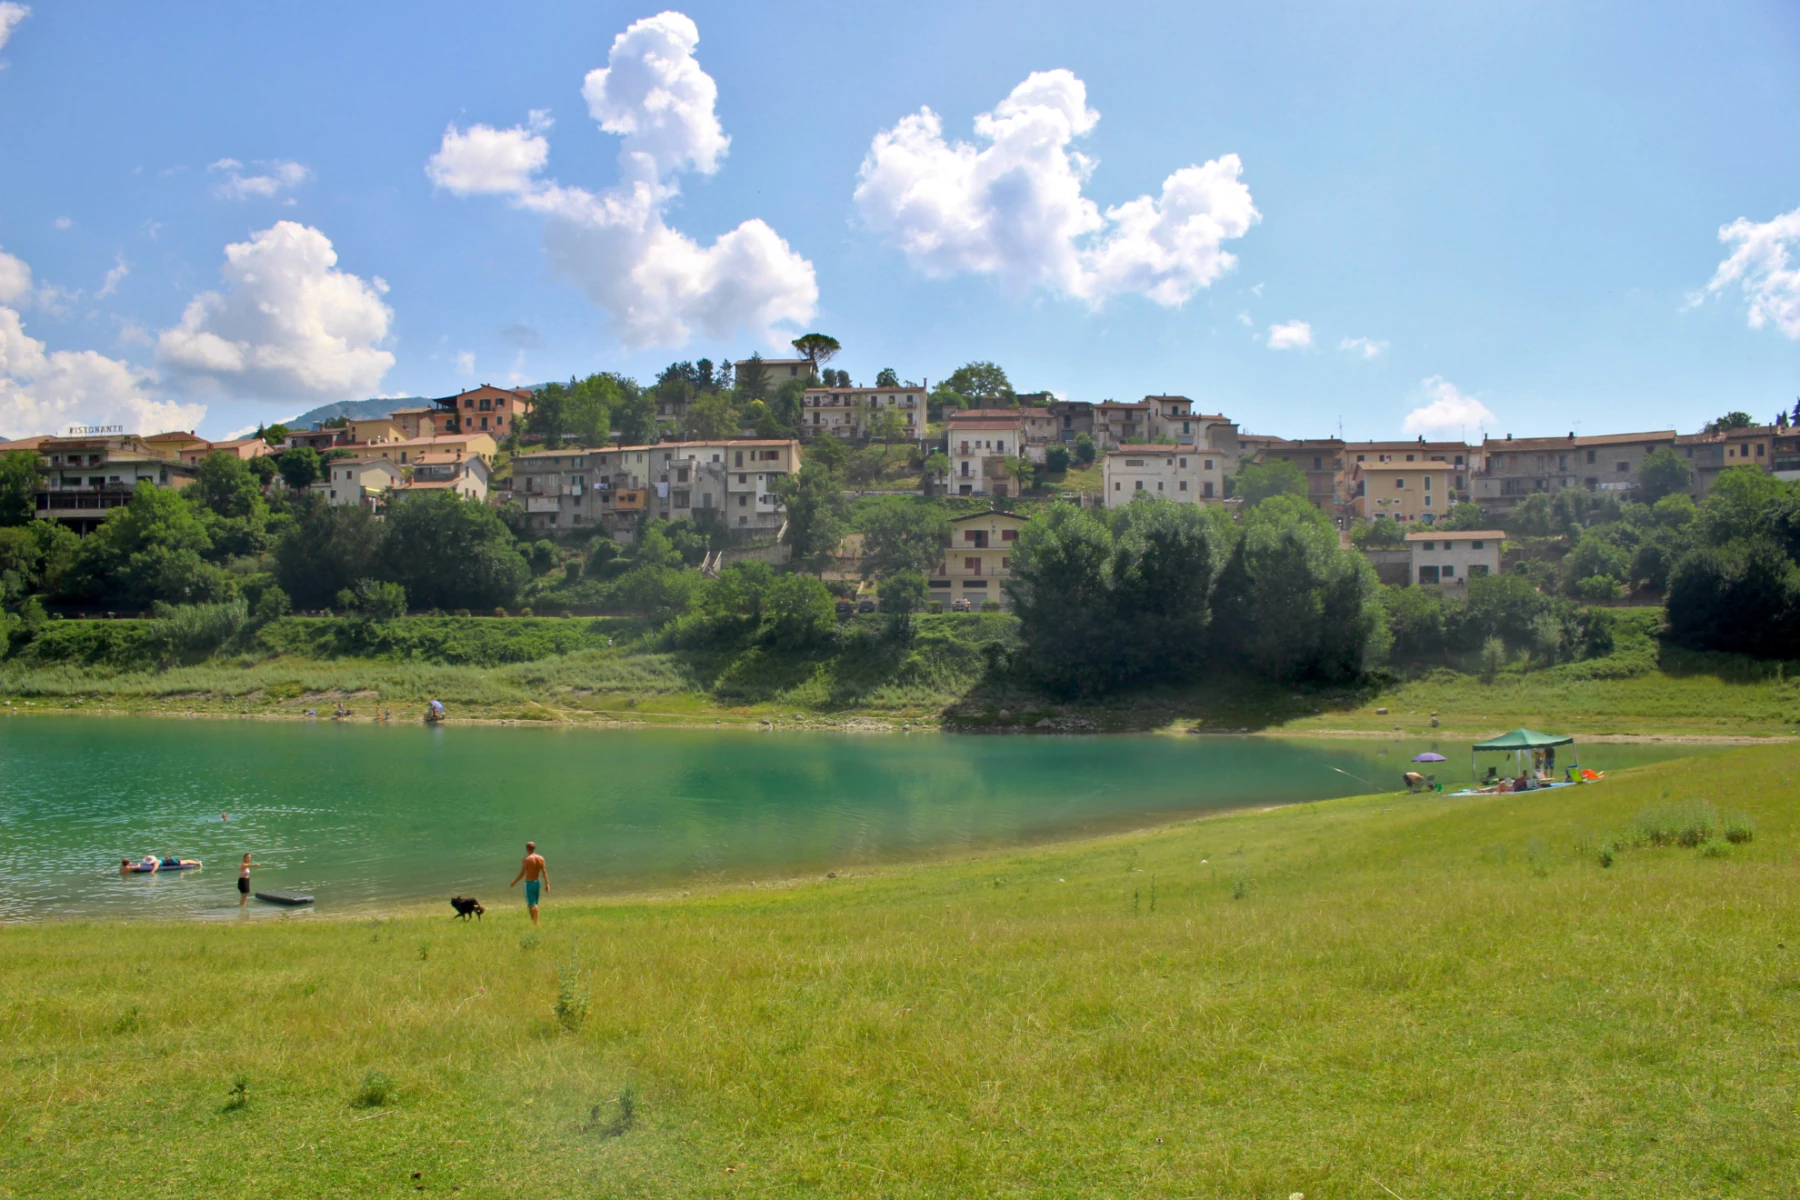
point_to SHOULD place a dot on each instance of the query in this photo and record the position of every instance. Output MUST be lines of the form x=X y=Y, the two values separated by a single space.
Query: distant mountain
x=359 y=410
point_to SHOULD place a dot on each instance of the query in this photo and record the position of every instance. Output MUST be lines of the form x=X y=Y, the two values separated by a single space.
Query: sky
x=1381 y=220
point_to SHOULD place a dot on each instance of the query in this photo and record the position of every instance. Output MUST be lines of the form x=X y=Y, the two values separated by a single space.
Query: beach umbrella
x=1428 y=756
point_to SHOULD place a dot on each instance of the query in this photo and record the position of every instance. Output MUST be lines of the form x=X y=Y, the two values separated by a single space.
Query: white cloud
x=43 y=391
x=486 y=160
x=1761 y=266
x=63 y=223
x=1013 y=208
x=1294 y=335
x=10 y=15
x=280 y=176
x=289 y=326
x=657 y=284
x=465 y=363
x=15 y=280
x=1364 y=347
x=1447 y=412
x=114 y=277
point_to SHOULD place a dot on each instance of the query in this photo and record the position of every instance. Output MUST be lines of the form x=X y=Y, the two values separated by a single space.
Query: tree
x=788 y=405
x=937 y=465
x=1663 y=473
x=1731 y=420
x=753 y=378
x=588 y=410
x=1085 y=450
x=275 y=434
x=635 y=415
x=300 y=467
x=1292 y=604
x=1021 y=470
x=327 y=550
x=374 y=599
x=1737 y=502
x=887 y=378
x=451 y=552
x=903 y=593
x=711 y=417
x=817 y=348
x=887 y=426
x=264 y=469
x=901 y=533
x=225 y=485
x=1115 y=601
x=1257 y=482
x=1377 y=535
x=1056 y=459
x=152 y=548
x=814 y=505
x=1742 y=597
x=19 y=481
x=1465 y=517
x=979 y=379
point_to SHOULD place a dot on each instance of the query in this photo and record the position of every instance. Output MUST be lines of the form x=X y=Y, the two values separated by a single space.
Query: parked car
x=961 y=605
x=866 y=606
x=845 y=608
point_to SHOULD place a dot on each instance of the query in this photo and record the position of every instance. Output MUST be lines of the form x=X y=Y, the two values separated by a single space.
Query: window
x=681 y=498
x=975 y=537
x=1009 y=535
x=1428 y=483
x=973 y=564
x=739 y=463
x=1409 y=458
x=1759 y=448
x=1116 y=485
x=1207 y=464
x=1432 y=545
x=1400 y=484
x=1624 y=466
x=743 y=501
x=1184 y=464
x=1428 y=574
x=1206 y=490
x=1140 y=486
x=1134 y=462
x=1184 y=485
x=1318 y=462
x=1159 y=486
x=1476 y=569
x=1478 y=545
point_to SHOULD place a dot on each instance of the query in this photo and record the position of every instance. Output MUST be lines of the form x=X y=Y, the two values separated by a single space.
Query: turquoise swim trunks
x=532 y=887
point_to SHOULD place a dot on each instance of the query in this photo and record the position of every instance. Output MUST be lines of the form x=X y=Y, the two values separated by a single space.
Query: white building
x=358 y=480
x=977 y=443
x=1451 y=559
x=1183 y=474
x=852 y=412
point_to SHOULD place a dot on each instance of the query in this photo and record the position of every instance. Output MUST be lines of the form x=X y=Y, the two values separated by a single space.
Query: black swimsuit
x=244 y=885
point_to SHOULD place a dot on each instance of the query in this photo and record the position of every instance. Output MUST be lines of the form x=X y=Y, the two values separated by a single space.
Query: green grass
x=564 y=669
x=1382 y=996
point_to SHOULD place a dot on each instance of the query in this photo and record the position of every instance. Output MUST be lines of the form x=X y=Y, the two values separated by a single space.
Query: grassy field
x=610 y=669
x=1387 y=996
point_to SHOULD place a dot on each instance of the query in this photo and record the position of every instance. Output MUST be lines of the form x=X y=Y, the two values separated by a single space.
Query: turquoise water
x=363 y=816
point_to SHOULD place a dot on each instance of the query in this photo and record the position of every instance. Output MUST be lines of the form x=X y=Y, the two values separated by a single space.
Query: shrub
x=1677 y=824
x=376 y=1090
x=195 y=630
x=1739 y=828
x=1056 y=459
x=990 y=606
x=1493 y=658
x=571 y=1006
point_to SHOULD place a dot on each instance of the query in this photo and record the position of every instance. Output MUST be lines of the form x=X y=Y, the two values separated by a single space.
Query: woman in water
x=244 y=880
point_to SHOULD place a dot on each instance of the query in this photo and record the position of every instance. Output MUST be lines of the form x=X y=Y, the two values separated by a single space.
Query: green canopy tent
x=1520 y=742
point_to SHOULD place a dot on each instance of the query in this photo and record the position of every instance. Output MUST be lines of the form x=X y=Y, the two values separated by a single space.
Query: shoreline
x=907 y=726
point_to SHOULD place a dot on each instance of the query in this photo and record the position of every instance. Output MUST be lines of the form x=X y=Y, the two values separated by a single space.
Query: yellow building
x=1418 y=491
x=977 y=560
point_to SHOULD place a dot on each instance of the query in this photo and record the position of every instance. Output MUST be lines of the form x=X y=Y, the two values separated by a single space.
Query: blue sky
x=1517 y=208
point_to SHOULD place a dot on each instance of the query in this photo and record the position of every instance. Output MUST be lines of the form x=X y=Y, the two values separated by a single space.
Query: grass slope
x=613 y=668
x=1382 y=996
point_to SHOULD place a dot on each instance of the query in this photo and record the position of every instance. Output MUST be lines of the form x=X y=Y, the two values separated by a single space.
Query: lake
x=364 y=816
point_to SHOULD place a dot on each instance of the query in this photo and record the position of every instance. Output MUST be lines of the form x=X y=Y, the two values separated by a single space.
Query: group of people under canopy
x=1534 y=764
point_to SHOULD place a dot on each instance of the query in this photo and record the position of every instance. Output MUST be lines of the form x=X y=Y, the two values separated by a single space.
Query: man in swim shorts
x=536 y=876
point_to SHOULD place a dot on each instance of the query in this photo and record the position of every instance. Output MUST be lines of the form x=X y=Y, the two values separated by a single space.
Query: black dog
x=466 y=907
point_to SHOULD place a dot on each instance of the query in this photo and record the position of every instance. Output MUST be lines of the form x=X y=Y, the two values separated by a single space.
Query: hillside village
x=601 y=494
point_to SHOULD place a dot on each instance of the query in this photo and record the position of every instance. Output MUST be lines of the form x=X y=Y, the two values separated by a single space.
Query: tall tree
x=814 y=503
x=710 y=417
x=1256 y=482
x=817 y=348
x=449 y=552
x=635 y=417
x=152 y=548
x=19 y=479
x=1662 y=473
x=328 y=549
x=1731 y=420
x=887 y=378
x=974 y=379
x=753 y=378
x=902 y=533
x=300 y=467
